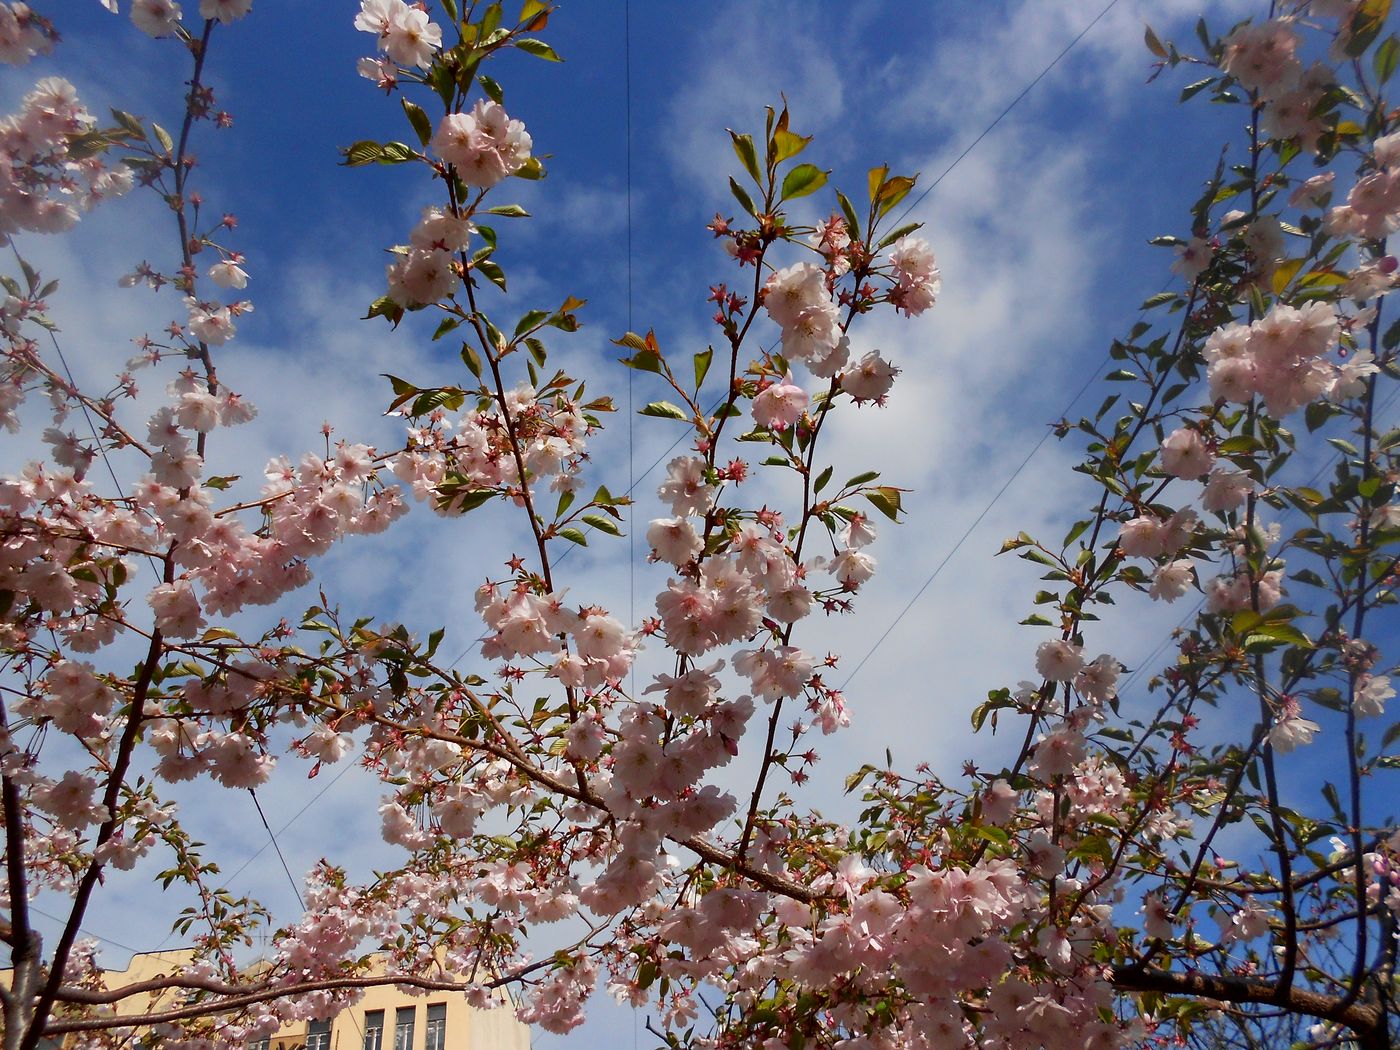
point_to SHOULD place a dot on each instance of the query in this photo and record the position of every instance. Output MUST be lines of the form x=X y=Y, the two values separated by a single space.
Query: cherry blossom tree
x=1139 y=873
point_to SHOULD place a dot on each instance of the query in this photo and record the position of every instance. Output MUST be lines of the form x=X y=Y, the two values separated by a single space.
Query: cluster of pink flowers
x=870 y=378
x=1149 y=536
x=23 y=34
x=402 y=30
x=1264 y=57
x=798 y=299
x=917 y=280
x=43 y=189
x=1372 y=210
x=551 y=433
x=427 y=272
x=161 y=18
x=525 y=624
x=483 y=146
x=1281 y=357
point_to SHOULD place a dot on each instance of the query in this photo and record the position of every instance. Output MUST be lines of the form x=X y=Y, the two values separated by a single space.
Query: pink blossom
x=1058 y=660
x=916 y=275
x=870 y=378
x=780 y=405
x=484 y=146
x=155 y=18
x=1141 y=537
x=1184 y=454
x=1171 y=581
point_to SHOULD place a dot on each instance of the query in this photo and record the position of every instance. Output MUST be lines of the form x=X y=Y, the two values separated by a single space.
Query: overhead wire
x=957 y=545
x=1009 y=107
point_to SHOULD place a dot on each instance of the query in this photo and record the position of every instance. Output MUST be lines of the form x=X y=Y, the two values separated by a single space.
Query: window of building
x=435 y=1035
x=403 y=1028
x=260 y=1044
x=318 y=1035
x=374 y=1030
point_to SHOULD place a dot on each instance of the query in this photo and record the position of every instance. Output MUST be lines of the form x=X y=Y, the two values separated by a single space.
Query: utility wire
x=295 y=888
x=95 y=936
x=293 y=819
x=87 y=415
x=966 y=533
x=1080 y=393
x=631 y=413
x=1010 y=106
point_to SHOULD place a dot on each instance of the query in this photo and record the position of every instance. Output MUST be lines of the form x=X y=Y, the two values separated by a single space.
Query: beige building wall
x=403 y=1023
x=461 y=1027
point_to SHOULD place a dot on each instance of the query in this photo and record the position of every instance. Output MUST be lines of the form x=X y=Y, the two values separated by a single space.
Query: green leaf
x=802 y=180
x=470 y=359
x=886 y=500
x=538 y=48
x=740 y=195
x=1282 y=633
x=1194 y=89
x=903 y=231
x=996 y=836
x=163 y=137
x=1154 y=44
x=533 y=319
x=1366 y=23
x=532 y=169
x=874 y=179
x=861 y=479
x=397 y=153
x=131 y=124
x=462 y=502
x=363 y=152
x=602 y=523
x=418 y=120
x=512 y=211
x=386 y=308
x=575 y=536
x=748 y=156
x=664 y=410
x=822 y=479
x=892 y=192
x=1386 y=58
x=1284 y=274
x=847 y=209
x=445 y=326
x=702 y=365
x=493 y=273
x=492 y=89
x=788 y=144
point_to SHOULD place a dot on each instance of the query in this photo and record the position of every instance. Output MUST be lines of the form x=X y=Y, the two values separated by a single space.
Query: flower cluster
x=43 y=186
x=799 y=302
x=1281 y=358
x=917 y=280
x=483 y=146
x=402 y=30
x=23 y=34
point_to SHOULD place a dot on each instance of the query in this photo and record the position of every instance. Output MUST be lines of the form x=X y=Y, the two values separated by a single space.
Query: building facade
x=385 y=1018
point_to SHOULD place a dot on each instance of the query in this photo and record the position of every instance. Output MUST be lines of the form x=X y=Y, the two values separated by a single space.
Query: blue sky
x=1041 y=234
